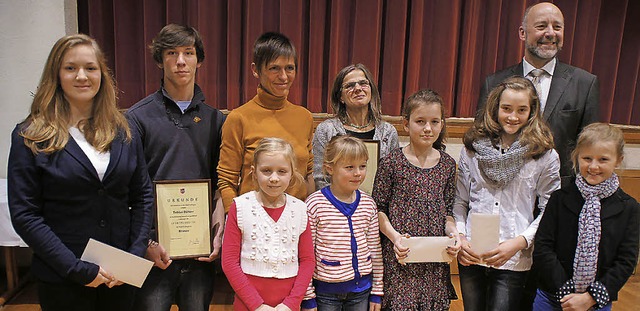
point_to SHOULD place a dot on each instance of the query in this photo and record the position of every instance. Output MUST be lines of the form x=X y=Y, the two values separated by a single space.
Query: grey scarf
x=585 y=262
x=499 y=168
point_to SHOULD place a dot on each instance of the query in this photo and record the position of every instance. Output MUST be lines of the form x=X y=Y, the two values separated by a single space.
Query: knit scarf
x=585 y=262
x=499 y=168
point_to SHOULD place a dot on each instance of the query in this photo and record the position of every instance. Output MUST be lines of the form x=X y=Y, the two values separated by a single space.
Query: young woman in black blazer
x=75 y=173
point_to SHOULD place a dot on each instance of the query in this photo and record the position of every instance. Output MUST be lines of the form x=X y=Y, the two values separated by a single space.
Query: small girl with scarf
x=587 y=242
x=508 y=166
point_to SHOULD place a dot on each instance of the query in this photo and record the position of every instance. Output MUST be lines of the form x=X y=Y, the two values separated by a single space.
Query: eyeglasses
x=351 y=85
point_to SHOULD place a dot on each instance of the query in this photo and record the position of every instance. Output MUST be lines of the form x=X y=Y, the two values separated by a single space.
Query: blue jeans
x=486 y=288
x=346 y=301
x=545 y=302
x=189 y=281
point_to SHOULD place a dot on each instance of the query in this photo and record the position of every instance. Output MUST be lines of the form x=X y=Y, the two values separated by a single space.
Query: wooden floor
x=26 y=300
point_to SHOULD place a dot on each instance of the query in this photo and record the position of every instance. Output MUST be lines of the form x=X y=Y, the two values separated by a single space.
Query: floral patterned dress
x=417 y=201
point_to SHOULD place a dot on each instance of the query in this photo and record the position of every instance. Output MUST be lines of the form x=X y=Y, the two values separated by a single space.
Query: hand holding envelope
x=119 y=266
x=505 y=250
x=454 y=249
x=485 y=246
x=467 y=256
x=400 y=249
x=103 y=277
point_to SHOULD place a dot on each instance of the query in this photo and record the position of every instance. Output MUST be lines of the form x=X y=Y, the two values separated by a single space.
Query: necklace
x=355 y=126
x=360 y=127
x=504 y=148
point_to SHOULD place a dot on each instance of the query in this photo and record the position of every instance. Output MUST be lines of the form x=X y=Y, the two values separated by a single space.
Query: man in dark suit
x=569 y=96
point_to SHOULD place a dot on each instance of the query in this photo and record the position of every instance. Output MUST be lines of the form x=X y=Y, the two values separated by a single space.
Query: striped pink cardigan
x=332 y=242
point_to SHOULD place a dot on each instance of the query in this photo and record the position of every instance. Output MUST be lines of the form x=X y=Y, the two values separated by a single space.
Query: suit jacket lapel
x=114 y=157
x=74 y=150
x=518 y=70
x=559 y=84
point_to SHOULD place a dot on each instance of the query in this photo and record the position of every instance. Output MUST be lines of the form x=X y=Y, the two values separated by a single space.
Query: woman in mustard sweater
x=268 y=114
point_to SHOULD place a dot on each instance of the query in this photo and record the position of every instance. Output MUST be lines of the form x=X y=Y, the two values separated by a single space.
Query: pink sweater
x=331 y=240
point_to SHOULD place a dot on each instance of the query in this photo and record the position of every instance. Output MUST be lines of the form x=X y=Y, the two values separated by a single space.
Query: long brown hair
x=535 y=134
x=46 y=128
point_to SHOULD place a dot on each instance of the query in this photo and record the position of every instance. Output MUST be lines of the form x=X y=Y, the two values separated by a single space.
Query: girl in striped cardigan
x=345 y=233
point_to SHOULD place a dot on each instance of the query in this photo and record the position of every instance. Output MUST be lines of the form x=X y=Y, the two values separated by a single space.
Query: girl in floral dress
x=414 y=190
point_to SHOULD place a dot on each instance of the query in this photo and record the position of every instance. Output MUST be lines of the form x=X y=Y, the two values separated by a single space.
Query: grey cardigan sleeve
x=388 y=137
x=323 y=134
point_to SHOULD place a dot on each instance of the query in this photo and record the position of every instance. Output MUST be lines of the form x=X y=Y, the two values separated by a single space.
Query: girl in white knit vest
x=267 y=248
x=346 y=238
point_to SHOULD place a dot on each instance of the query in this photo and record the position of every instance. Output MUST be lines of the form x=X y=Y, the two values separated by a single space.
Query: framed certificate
x=373 y=147
x=183 y=217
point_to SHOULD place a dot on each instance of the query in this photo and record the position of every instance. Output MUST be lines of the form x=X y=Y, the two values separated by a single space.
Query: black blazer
x=572 y=104
x=557 y=238
x=57 y=202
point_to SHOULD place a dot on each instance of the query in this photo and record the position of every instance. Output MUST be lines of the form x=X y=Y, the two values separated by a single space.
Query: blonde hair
x=343 y=148
x=274 y=145
x=598 y=132
x=535 y=134
x=422 y=98
x=46 y=128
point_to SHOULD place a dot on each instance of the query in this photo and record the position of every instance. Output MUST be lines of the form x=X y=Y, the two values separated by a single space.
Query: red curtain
x=446 y=45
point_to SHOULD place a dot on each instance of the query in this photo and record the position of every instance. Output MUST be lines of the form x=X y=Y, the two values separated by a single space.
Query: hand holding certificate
x=184 y=217
x=427 y=249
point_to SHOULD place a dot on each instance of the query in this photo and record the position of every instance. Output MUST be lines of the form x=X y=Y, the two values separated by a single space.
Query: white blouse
x=99 y=160
x=514 y=202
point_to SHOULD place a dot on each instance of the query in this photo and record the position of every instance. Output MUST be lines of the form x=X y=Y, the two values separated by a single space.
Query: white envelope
x=485 y=232
x=125 y=267
x=427 y=249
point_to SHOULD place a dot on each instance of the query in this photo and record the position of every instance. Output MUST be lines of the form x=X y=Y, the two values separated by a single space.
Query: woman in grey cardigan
x=356 y=102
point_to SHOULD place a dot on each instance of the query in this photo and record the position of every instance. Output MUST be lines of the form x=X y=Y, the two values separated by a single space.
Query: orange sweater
x=263 y=116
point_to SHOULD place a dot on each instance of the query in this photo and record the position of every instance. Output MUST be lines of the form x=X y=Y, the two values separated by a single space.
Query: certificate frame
x=183 y=217
x=373 y=148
